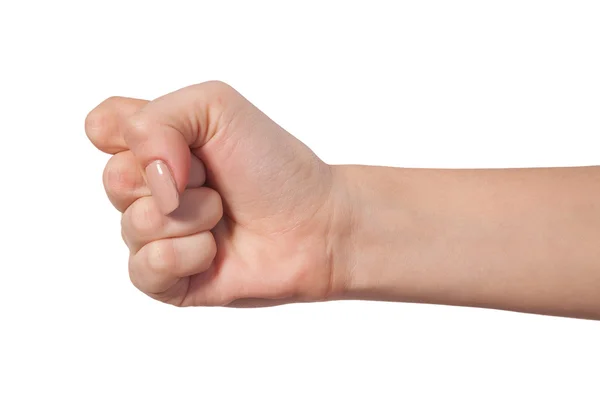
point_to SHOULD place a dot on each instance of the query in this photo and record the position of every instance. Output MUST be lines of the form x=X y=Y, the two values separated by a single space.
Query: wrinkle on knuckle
x=145 y=218
x=138 y=123
x=161 y=257
x=138 y=129
x=118 y=179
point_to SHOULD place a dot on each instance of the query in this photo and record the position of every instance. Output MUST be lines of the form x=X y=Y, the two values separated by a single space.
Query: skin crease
x=263 y=221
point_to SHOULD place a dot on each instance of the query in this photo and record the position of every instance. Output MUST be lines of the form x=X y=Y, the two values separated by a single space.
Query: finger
x=124 y=180
x=142 y=222
x=162 y=132
x=105 y=125
x=161 y=265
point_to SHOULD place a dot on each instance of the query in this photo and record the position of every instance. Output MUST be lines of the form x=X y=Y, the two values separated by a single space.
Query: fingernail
x=162 y=185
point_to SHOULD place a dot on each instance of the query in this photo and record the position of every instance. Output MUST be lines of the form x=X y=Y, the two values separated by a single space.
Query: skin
x=274 y=224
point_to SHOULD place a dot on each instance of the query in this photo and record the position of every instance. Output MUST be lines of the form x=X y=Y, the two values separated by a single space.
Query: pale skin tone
x=274 y=224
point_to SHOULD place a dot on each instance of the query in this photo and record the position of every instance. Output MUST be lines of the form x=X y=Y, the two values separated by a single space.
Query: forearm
x=521 y=239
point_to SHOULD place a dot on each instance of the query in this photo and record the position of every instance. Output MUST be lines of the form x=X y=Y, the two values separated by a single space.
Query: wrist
x=389 y=232
x=340 y=234
x=368 y=222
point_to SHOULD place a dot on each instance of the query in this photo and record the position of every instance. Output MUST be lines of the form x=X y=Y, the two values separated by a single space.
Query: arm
x=274 y=224
x=521 y=239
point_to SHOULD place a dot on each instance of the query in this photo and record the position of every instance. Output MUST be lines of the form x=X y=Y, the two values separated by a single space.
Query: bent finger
x=160 y=266
x=162 y=132
x=124 y=181
x=105 y=125
x=142 y=223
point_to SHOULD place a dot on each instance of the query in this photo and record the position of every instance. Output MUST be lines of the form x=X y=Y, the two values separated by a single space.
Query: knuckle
x=217 y=86
x=133 y=275
x=144 y=218
x=96 y=124
x=124 y=236
x=99 y=122
x=219 y=92
x=119 y=177
x=138 y=126
x=161 y=257
x=112 y=102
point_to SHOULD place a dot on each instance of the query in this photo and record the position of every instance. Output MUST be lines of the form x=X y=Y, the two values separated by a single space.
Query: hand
x=259 y=231
x=221 y=206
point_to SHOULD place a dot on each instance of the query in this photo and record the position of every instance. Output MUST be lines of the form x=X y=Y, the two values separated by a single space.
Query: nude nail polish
x=162 y=185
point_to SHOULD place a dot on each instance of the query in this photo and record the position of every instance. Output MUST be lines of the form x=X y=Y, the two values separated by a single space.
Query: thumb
x=161 y=133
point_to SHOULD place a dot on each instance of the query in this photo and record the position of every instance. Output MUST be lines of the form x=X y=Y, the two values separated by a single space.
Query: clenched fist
x=221 y=206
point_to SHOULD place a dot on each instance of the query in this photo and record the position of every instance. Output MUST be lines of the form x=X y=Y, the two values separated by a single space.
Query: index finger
x=106 y=124
x=161 y=134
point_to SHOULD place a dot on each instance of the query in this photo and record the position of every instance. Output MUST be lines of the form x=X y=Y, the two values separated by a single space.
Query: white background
x=414 y=83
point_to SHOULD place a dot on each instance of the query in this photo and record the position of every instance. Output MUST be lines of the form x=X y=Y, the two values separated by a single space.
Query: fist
x=220 y=205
